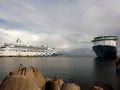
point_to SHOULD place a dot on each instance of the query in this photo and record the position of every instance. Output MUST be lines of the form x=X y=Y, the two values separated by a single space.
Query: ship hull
x=105 y=51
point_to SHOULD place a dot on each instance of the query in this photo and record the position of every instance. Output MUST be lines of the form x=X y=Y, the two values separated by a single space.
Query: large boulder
x=54 y=84
x=20 y=80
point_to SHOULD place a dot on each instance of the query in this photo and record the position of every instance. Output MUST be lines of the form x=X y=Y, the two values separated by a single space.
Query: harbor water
x=84 y=71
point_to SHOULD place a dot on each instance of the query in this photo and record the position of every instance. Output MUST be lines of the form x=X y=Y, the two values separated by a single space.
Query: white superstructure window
x=106 y=42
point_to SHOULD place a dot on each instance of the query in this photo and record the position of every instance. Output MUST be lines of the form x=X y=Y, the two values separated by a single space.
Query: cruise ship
x=19 y=49
x=105 y=46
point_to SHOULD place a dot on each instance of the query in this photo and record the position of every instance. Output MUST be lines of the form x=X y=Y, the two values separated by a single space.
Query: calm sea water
x=83 y=70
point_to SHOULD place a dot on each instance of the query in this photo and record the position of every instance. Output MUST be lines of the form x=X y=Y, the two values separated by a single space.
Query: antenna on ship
x=18 y=40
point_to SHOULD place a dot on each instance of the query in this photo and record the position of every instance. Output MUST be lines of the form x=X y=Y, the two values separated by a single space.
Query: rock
x=54 y=84
x=70 y=86
x=20 y=80
x=95 y=88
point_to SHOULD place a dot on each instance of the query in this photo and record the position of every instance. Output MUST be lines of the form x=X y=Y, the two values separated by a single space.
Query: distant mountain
x=78 y=52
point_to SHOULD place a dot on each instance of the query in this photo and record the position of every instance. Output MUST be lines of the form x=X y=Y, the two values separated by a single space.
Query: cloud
x=59 y=23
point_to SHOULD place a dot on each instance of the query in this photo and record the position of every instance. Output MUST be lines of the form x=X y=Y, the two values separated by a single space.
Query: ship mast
x=18 y=41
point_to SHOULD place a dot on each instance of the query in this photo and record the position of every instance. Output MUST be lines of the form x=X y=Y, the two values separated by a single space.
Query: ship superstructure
x=19 y=49
x=105 y=46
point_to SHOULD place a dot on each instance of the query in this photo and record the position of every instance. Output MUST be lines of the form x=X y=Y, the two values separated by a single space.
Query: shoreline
x=28 y=73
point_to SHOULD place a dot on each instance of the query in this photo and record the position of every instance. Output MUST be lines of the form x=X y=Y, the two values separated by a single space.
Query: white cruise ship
x=19 y=49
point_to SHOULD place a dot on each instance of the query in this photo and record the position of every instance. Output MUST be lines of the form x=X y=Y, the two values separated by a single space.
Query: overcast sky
x=58 y=23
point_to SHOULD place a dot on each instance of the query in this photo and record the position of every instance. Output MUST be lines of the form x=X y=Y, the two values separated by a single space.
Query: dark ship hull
x=105 y=51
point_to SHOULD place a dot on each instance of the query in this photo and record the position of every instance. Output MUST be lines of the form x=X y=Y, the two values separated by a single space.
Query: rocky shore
x=33 y=79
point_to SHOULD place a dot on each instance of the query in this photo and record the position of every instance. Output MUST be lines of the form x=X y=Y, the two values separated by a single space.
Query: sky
x=62 y=24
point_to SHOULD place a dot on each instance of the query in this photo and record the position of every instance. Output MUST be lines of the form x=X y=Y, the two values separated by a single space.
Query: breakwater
x=32 y=78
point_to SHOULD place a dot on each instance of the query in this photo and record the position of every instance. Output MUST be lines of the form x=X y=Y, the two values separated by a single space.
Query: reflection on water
x=105 y=72
x=83 y=70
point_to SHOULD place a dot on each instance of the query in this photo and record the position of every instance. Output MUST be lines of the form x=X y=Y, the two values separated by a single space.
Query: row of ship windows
x=105 y=43
x=26 y=50
x=31 y=50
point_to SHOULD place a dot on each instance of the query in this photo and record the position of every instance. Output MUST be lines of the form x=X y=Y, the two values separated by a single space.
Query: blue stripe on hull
x=104 y=51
